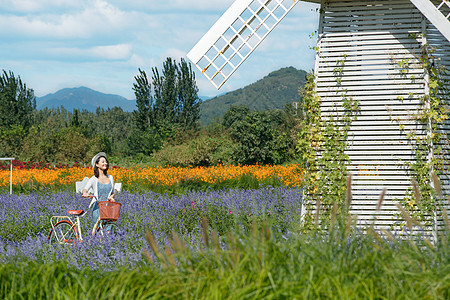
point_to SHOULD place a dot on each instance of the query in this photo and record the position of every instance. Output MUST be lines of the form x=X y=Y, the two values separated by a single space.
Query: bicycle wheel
x=63 y=232
x=106 y=227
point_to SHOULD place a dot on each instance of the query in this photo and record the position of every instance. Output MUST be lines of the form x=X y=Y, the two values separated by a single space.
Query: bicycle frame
x=75 y=224
x=73 y=219
x=99 y=226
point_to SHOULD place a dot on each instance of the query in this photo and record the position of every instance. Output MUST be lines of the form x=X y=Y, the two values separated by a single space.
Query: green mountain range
x=84 y=98
x=272 y=91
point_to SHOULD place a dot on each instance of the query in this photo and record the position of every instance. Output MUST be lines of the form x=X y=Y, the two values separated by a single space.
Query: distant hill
x=84 y=98
x=273 y=91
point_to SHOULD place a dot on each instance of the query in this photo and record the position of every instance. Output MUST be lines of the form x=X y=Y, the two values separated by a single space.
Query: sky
x=101 y=44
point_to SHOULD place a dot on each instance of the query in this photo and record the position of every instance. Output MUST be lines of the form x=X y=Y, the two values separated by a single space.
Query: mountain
x=272 y=91
x=204 y=98
x=84 y=98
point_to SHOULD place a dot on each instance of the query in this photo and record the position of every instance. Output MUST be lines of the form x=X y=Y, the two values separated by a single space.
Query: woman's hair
x=96 y=173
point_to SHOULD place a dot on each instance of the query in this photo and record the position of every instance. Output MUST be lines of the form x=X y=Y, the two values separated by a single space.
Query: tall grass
x=244 y=181
x=340 y=264
x=339 y=261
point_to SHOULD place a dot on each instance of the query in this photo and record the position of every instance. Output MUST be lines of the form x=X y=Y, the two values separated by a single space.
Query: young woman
x=101 y=183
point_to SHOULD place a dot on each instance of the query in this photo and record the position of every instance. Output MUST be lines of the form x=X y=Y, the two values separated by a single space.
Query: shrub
x=259 y=138
x=200 y=151
x=67 y=144
x=11 y=140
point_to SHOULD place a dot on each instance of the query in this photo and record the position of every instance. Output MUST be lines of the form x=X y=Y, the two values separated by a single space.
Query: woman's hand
x=85 y=194
x=111 y=198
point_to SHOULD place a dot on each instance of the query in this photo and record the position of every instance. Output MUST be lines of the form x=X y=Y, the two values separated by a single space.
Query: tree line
x=163 y=129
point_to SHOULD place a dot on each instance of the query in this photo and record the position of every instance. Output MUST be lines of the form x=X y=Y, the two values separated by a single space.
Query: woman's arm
x=88 y=186
x=85 y=194
x=111 y=194
x=111 y=197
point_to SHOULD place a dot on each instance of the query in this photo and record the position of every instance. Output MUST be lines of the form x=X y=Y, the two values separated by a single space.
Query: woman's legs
x=108 y=227
x=95 y=213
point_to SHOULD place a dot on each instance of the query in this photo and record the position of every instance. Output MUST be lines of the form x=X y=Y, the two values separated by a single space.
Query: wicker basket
x=109 y=210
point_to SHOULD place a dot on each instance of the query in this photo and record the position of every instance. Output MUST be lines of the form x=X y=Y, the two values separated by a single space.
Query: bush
x=143 y=142
x=11 y=140
x=70 y=145
x=63 y=145
x=260 y=138
x=200 y=151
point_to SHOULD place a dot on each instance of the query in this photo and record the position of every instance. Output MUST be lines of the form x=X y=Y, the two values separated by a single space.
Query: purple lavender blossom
x=25 y=222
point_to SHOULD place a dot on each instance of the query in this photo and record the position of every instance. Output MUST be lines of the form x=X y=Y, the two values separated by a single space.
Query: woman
x=101 y=183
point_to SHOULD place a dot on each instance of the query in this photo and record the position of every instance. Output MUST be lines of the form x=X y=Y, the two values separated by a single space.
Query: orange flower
x=290 y=175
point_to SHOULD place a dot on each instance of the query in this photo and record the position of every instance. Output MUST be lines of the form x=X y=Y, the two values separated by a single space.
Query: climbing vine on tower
x=323 y=140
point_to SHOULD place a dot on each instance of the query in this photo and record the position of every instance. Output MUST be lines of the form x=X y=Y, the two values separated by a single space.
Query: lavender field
x=253 y=248
x=25 y=223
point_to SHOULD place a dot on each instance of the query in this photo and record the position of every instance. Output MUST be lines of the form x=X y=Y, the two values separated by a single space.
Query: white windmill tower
x=381 y=43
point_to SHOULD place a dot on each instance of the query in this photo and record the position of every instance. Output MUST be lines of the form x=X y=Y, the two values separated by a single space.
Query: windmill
x=377 y=45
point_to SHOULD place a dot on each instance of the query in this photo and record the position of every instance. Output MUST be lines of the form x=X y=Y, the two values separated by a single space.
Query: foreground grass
x=340 y=264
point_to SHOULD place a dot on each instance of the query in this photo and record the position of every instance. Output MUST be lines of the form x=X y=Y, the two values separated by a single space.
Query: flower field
x=142 y=178
x=225 y=243
x=25 y=222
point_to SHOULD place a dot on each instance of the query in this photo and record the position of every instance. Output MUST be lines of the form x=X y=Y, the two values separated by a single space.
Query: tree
x=165 y=105
x=144 y=116
x=11 y=140
x=260 y=137
x=255 y=139
x=59 y=134
x=234 y=114
x=144 y=137
x=165 y=88
x=143 y=142
x=170 y=100
x=188 y=97
x=17 y=102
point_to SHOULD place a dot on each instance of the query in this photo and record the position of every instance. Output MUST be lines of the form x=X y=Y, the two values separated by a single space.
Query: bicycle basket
x=109 y=210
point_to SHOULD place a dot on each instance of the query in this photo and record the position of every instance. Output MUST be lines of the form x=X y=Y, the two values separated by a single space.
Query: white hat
x=96 y=156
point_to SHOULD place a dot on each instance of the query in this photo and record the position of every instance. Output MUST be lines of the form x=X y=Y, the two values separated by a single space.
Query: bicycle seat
x=75 y=212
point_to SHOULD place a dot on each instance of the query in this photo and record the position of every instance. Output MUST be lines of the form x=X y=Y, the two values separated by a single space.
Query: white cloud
x=108 y=52
x=156 y=6
x=86 y=21
x=139 y=61
x=176 y=54
x=34 y=6
x=59 y=42
x=122 y=51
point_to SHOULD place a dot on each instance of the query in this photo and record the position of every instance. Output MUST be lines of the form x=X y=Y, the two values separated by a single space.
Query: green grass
x=340 y=264
x=245 y=181
x=337 y=262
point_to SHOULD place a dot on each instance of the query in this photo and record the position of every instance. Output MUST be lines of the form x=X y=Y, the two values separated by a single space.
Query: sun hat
x=96 y=156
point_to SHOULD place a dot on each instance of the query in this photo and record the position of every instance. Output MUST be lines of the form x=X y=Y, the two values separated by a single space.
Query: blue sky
x=100 y=44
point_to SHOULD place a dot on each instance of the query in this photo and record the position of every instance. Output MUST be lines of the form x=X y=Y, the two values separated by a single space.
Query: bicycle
x=67 y=229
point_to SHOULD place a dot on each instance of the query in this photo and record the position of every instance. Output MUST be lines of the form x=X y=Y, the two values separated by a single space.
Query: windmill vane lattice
x=377 y=46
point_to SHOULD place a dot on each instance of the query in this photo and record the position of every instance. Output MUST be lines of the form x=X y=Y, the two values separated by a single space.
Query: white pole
x=10 y=178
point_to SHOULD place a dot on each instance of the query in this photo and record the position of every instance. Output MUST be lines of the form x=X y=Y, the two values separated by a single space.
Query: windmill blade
x=235 y=35
x=438 y=15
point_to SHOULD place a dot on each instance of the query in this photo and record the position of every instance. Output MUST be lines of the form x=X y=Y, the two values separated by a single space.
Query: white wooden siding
x=366 y=44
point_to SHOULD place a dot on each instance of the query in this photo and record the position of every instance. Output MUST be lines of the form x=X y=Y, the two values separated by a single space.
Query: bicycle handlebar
x=94 y=198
